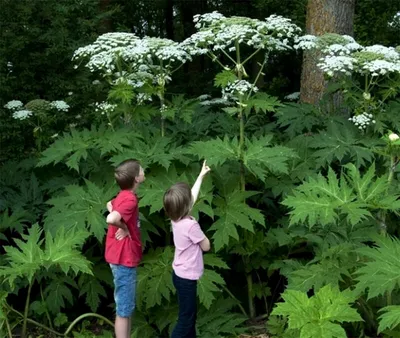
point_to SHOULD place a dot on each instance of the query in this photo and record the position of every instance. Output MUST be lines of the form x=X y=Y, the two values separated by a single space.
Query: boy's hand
x=204 y=170
x=122 y=233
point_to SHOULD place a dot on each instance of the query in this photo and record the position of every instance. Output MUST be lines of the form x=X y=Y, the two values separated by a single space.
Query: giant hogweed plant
x=135 y=68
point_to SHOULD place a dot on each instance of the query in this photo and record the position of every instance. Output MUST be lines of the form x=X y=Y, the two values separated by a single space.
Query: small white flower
x=22 y=114
x=14 y=104
x=393 y=137
x=60 y=105
x=70 y=93
x=362 y=120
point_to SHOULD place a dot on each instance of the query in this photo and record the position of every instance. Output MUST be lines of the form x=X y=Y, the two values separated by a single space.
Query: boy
x=123 y=245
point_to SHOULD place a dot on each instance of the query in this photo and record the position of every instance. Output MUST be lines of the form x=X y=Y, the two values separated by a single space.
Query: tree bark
x=323 y=16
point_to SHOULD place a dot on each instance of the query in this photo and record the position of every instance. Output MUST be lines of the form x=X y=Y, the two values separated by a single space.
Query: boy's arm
x=196 y=186
x=115 y=219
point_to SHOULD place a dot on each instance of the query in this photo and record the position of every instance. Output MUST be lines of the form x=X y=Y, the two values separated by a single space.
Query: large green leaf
x=381 y=273
x=259 y=157
x=323 y=200
x=216 y=151
x=390 y=318
x=233 y=212
x=80 y=207
x=320 y=315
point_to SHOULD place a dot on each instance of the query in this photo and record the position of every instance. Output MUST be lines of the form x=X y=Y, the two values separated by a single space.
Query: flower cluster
x=220 y=33
x=22 y=114
x=362 y=121
x=124 y=55
x=14 y=104
x=343 y=55
x=332 y=64
x=207 y=19
x=239 y=87
x=104 y=107
x=60 y=105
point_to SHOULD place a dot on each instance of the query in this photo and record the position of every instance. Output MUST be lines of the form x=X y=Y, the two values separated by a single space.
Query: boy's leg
x=124 y=294
x=186 y=325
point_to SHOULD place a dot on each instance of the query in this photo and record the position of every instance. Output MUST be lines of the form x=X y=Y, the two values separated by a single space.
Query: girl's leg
x=186 y=325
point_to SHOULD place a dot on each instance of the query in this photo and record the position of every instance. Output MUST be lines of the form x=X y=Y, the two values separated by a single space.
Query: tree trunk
x=323 y=16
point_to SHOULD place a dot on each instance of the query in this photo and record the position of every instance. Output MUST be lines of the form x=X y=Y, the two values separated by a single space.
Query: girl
x=190 y=242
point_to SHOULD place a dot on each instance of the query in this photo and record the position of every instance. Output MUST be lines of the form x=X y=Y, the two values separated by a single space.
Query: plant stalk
x=28 y=298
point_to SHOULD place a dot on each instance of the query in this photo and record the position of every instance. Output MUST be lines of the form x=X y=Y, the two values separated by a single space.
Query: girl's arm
x=196 y=186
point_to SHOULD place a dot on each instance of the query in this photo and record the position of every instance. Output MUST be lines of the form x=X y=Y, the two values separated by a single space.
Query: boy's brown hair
x=178 y=201
x=126 y=173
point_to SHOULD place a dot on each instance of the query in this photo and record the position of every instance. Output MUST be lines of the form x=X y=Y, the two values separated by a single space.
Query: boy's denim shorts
x=124 y=289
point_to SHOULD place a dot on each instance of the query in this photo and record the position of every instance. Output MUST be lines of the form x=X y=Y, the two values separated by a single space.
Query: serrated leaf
x=220 y=320
x=70 y=147
x=57 y=295
x=207 y=286
x=153 y=189
x=323 y=200
x=91 y=288
x=319 y=314
x=151 y=150
x=381 y=273
x=25 y=258
x=80 y=207
x=340 y=142
x=155 y=278
x=260 y=157
x=223 y=78
x=298 y=118
x=216 y=151
x=262 y=103
x=233 y=212
x=390 y=318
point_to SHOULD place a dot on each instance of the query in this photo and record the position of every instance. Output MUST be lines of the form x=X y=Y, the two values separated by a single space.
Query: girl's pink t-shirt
x=188 y=259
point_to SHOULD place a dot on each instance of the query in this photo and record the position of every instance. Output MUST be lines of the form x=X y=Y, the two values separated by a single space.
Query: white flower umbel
x=60 y=105
x=387 y=53
x=381 y=67
x=104 y=107
x=332 y=64
x=238 y=88
x=202 y=20
x=22 y=114
x=221 y=33
x=112 y=54
x=13 y=105
x=362 y=121
x=305 y=42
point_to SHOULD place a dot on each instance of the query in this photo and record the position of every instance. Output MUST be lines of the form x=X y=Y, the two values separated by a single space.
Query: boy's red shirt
x=128 y=251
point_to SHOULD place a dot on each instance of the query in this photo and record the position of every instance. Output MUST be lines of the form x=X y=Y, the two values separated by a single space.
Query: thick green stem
x=162 y=103
x=77 y=320
x=28 y=298
x=252 y=309
x=239 y=304
x=9 y=332
x=392 y=168
x=47 y=311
